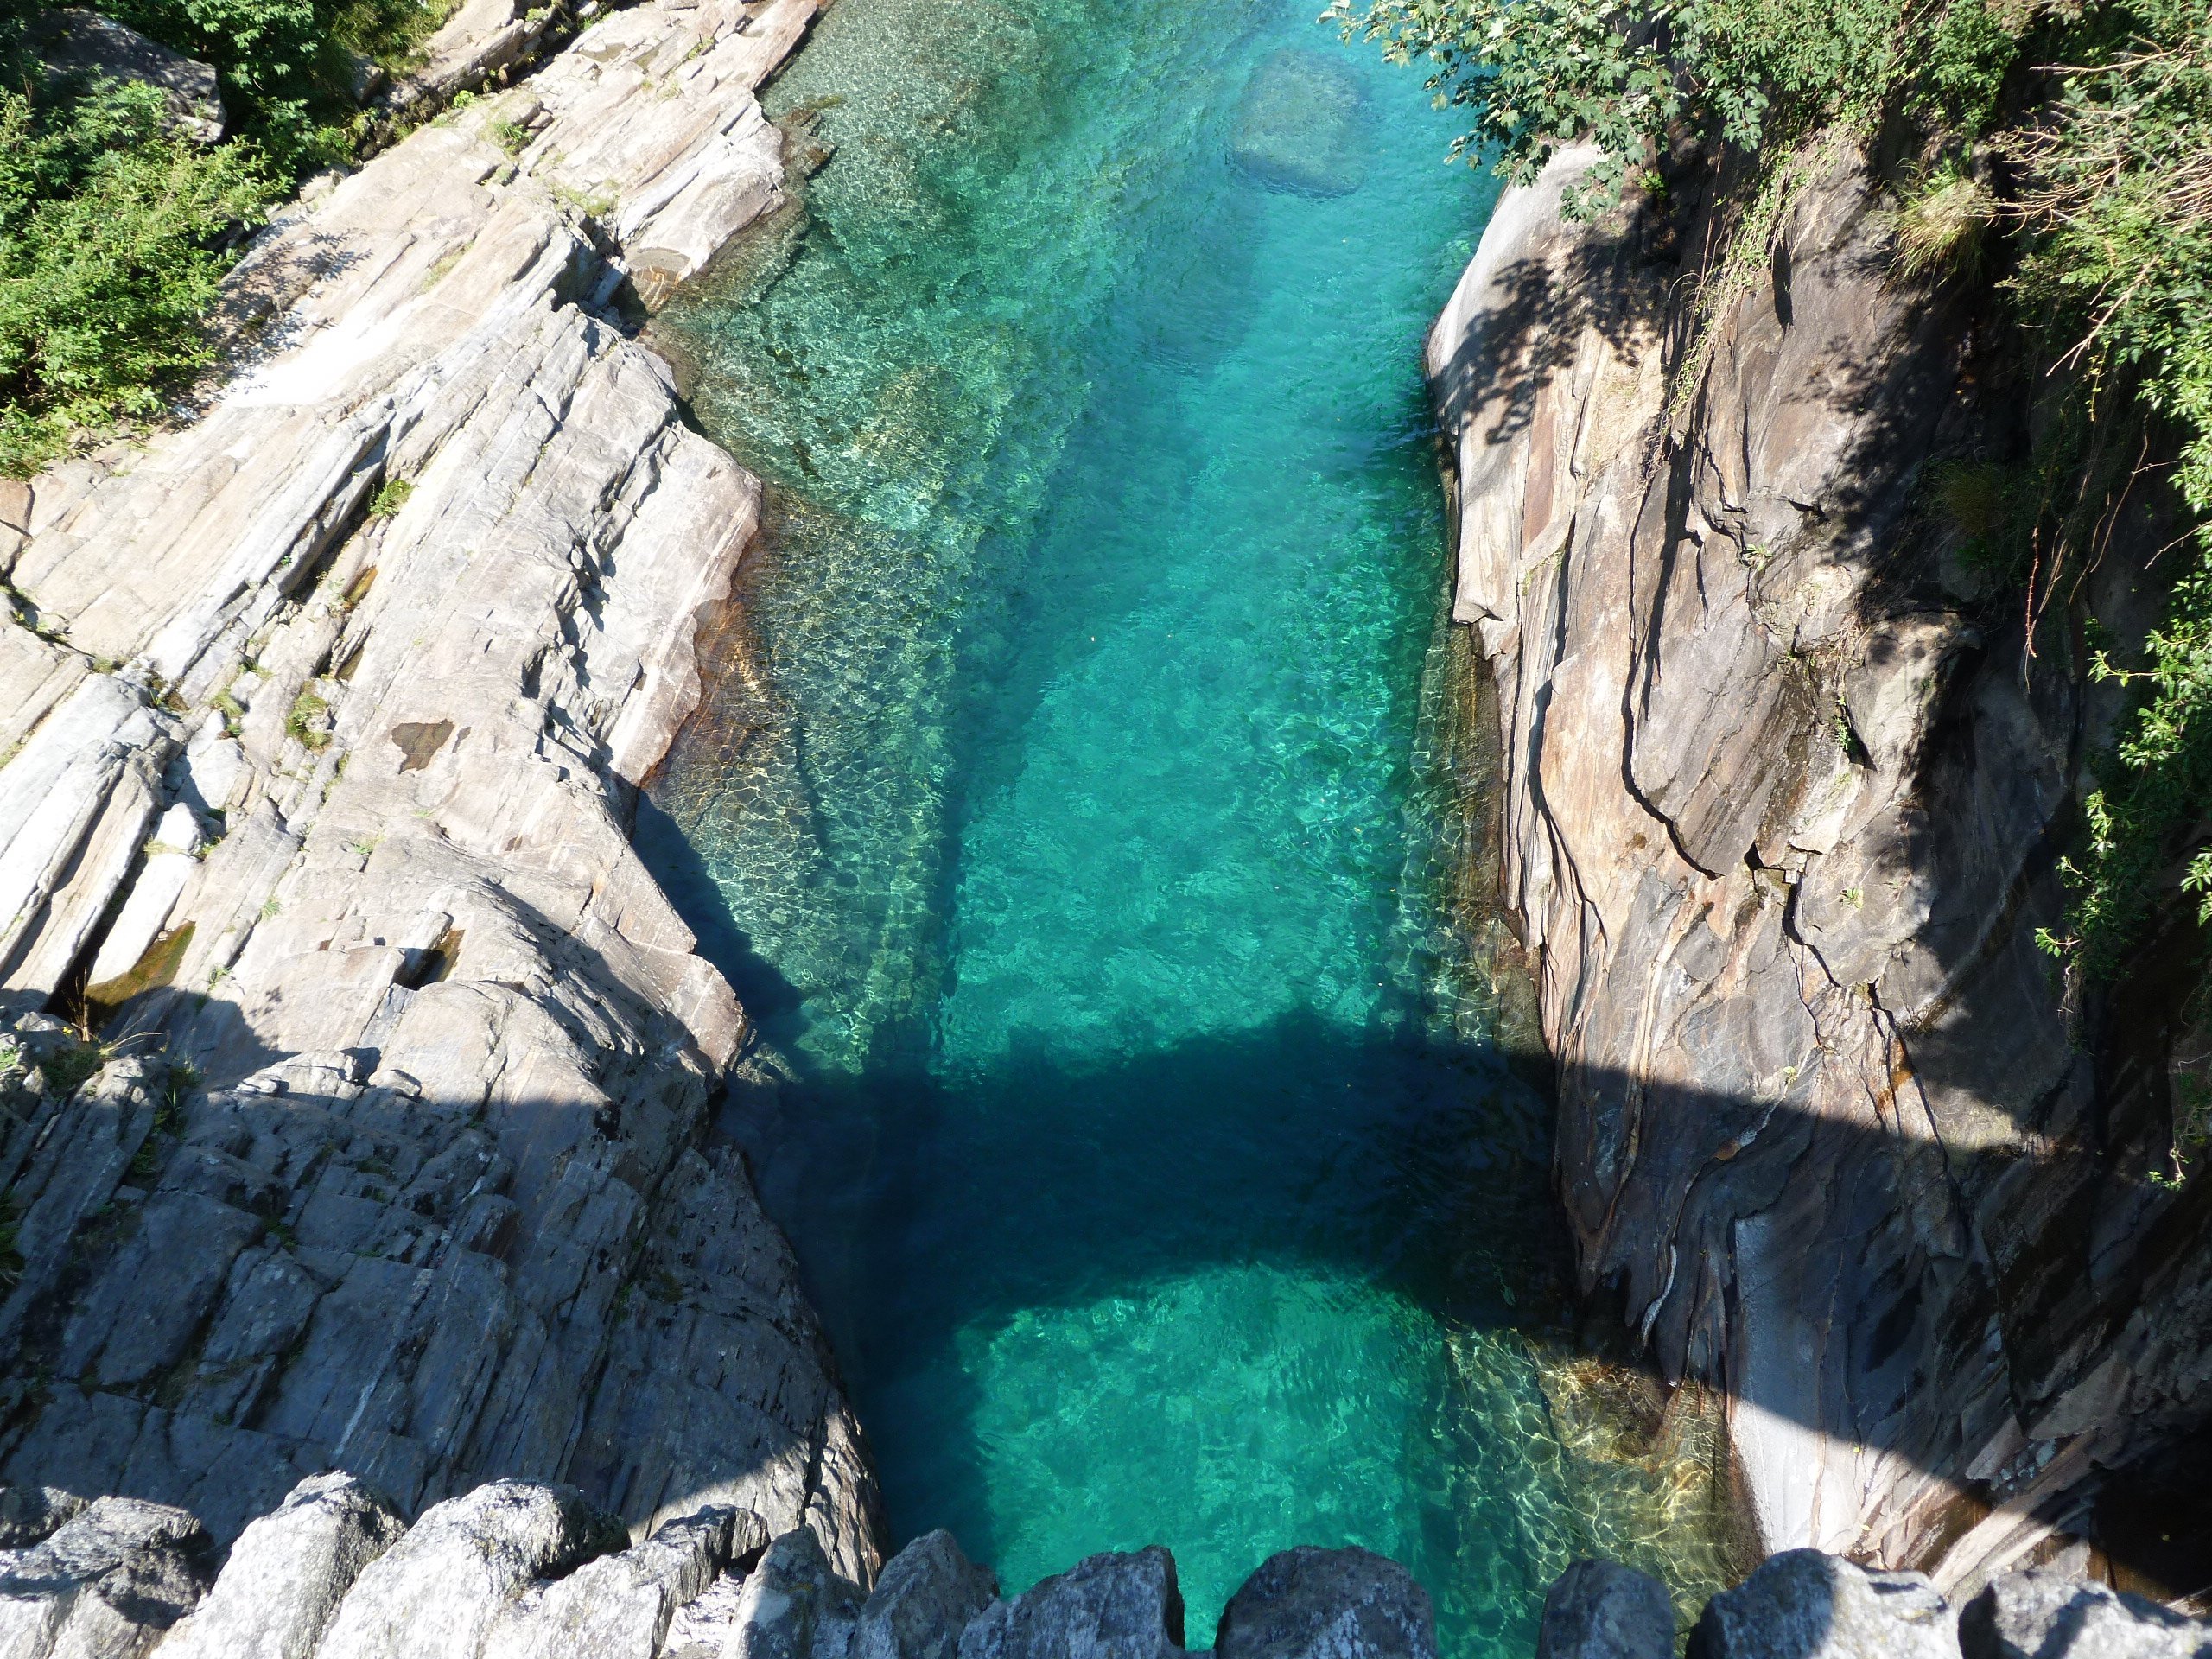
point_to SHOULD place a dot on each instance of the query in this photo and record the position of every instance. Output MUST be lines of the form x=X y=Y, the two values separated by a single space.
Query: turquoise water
x=1073 y=808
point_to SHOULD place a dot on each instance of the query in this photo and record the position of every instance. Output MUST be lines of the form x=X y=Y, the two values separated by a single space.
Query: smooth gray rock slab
x=929 y=1592
x=1601 y=1610
x=619 y=1606
x=73 y=42
x=1111 y=1607
x=107 y=1585
x=1328 y=1603
x=288 y=1572
x=1805 y=1604
x=437 y=1593
x=2046 y=1616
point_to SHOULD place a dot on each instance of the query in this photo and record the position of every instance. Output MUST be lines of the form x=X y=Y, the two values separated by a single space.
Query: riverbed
x=1076 y=804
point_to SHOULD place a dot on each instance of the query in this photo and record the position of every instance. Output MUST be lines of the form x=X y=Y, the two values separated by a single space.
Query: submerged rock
x=1303 y=126
x=1328 y=1603
x=1601 y=1610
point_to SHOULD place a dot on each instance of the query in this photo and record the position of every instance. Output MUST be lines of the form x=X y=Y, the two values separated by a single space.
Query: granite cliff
x=321 y=717
x=1783 y=800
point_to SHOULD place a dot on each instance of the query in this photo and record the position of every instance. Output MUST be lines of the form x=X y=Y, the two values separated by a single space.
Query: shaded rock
x=1110 y=1606
x=287 y=1573
x=438 y=1592
x=929 y=1592
x=1303 y=126
x=107 y=1585
x=29 y=1514
x=1328 y=1603
x=1804 y=1605
x=619 y=1606
x=74 y=42
x=2041 y=1615
x=1601 y=1610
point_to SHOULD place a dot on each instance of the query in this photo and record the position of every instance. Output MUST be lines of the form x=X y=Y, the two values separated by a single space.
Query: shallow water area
x=1074 y=809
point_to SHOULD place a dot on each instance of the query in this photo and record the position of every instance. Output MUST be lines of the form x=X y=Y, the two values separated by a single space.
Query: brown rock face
x=1783 y=800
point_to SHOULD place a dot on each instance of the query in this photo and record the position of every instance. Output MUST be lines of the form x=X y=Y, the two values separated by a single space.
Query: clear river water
x=1075 y=807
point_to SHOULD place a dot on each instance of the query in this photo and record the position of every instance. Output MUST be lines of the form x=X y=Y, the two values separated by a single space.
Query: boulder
x=619 y=1606
x=107 y=1585
x=73 y=41
x=1601 y=1610
x=288 y=1573
x=438 y=1592
x=1328 y=1603
x=30 y=1514
x=1302 y=125
x=1809 y=1605
x=1113 y=1606
x=2041 y=1615
x=928 y=1594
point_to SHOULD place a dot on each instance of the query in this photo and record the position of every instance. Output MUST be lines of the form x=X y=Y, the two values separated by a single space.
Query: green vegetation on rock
x=116 y=228
x=108 y=260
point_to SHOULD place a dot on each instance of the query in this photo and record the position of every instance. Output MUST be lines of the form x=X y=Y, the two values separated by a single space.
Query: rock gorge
x=392 y=1190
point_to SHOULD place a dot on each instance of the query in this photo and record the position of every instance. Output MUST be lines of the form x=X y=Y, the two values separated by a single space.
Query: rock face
x=1782 y=798
x=75 y=42
x=107 y=1584
x=322 y=718
x=519 y=1571
x=2048 y=1616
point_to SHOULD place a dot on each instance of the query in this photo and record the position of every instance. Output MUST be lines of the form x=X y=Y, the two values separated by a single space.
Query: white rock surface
x=287 y=1573
x=619 y=1606
x=441 y=1589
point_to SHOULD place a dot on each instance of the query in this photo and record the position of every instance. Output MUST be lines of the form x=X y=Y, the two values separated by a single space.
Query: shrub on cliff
x=115 y=232
x=1758 y=75
x=106 y=262
x=2115 y=202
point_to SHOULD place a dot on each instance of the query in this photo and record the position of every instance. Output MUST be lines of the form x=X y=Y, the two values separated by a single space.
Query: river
x=1075 y=807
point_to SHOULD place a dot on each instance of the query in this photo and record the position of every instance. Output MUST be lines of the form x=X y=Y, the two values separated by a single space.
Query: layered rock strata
x=1784 y=792
x=517 y=1571
x=321 y=717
